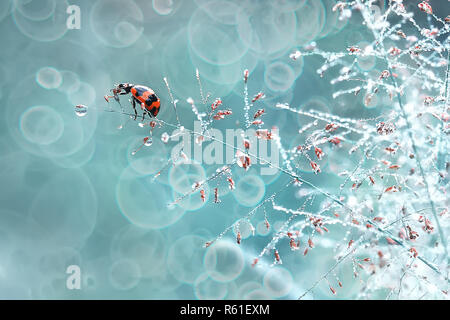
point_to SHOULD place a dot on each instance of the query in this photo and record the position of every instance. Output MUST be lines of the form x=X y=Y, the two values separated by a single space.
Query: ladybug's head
x=122 y=88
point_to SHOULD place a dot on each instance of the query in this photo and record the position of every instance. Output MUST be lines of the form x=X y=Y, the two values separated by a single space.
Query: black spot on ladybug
x=151 y=99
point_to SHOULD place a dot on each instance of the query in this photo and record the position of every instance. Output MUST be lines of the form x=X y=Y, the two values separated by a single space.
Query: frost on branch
x=400 y=183
x=388 y=219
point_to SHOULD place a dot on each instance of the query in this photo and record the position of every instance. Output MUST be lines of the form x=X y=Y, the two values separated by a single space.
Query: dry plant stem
x=418 y=162
x=419 y=165
x=325 y=275
x=306 y=182
x=441 y=154
x=410 y=135
x=252 y=212
x=343 y=258
x=174 y=104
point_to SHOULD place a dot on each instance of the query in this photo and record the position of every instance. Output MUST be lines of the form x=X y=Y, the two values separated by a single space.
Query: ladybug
x=140 y=94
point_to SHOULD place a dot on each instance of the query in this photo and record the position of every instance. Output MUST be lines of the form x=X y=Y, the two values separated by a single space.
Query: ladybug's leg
x=133 y=103
x=148 y=114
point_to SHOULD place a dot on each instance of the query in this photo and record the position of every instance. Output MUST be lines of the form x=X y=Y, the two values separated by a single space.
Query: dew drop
x=148 y=143
x=81 y=110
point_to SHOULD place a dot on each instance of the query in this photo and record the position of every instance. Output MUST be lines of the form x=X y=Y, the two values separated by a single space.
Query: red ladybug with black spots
x=140 y=94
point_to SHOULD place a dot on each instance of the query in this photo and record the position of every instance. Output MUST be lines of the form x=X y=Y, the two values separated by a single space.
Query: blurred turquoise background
x=72 y=193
